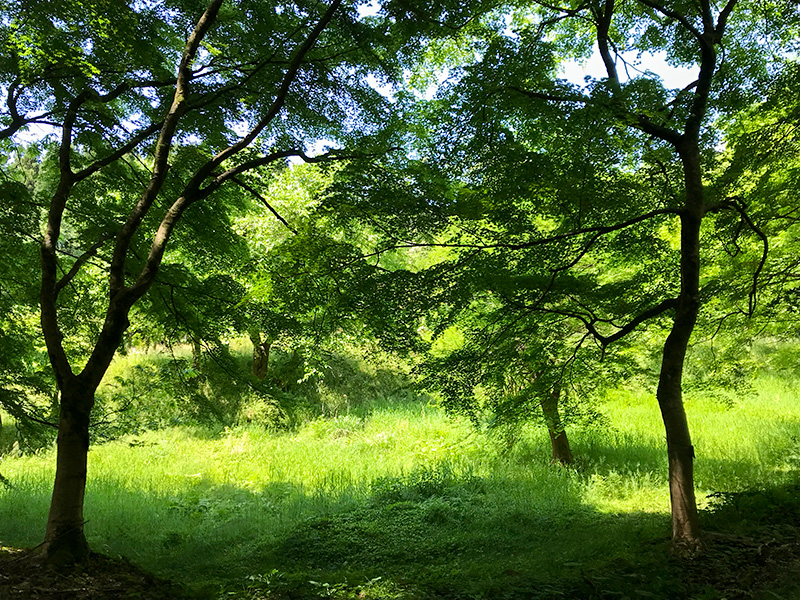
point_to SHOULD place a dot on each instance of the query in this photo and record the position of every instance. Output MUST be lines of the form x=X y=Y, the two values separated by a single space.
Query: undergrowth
x=385 y=497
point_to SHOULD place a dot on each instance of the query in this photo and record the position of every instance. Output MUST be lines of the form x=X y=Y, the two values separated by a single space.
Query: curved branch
x=601 y=230
x=277 y=103
x=722 y=21
x=270 y=158
x=162 y=149
x=680 y=17
x=119 y=152
x=605 y=340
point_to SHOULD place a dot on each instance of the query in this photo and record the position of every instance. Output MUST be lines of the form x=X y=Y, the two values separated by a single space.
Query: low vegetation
x=389 y=497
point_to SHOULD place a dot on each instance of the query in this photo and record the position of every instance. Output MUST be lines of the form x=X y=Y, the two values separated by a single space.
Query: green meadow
x=393 y=498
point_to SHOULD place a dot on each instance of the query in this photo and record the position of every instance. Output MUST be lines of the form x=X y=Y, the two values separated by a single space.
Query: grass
x=402 y=501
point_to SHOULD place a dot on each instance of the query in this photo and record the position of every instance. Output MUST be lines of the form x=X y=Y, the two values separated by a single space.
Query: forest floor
x=402 y=502
x=764 y=565
x=101 y=578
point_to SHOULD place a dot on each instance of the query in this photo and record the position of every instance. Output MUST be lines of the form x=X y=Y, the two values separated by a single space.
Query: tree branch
x=681 y=18
x=601 y=230
x=192 y=191
x=277 y=103
x=119 y=152
x=738 y=206
x=270 y=158
x=550 y=97
x=602 y=25
x=76 y=266
x=263 y=201
x=605 y=340
x=47 y=296
x=162 y=150
x=722 y=21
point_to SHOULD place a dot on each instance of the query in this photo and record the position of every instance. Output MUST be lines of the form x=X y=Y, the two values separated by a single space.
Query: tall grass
x=401 y=492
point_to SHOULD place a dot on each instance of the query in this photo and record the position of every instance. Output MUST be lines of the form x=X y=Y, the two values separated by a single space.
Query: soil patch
x=22 y=576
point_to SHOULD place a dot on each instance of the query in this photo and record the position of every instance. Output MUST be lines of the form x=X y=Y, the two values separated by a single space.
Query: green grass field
x=405 y=501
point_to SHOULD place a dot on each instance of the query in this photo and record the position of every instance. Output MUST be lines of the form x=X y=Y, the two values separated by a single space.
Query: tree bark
x=686 y=537
x=562 y=454
x=197 y=354
x=65 y=542
x=680 y=452
x=260 y=354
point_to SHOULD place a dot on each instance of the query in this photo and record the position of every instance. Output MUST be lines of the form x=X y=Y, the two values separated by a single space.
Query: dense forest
x=405 y=299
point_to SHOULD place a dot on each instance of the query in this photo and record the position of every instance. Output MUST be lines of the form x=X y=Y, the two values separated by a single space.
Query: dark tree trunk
x=261 y=360
x=65 y=542
x=680 y=452
x=558 y=435
x=260 y=354
x=197 y=354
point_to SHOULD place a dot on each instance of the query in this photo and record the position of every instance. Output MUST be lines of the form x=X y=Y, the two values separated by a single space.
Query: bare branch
x=76 y=266
x=263 y=201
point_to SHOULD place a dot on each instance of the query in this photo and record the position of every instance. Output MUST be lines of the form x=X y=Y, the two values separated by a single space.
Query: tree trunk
x=680 y=452
x=65 y=542
x=558 y=435
x=260 y=354
x=197 y=354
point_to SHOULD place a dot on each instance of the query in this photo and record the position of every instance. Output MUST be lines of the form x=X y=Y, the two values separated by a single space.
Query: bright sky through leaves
x=672 y=77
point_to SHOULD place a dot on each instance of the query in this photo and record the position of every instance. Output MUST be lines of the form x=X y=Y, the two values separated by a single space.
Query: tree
x=599 y=194
x=250 y=85
x=515 y=369
x=273 y=277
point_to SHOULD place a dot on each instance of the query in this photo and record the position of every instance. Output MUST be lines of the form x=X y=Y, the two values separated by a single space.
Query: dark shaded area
x=22 y=576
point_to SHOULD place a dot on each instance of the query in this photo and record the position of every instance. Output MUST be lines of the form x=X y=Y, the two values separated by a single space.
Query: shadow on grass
x=454 y=544
x=433 y=533
x=451 y=547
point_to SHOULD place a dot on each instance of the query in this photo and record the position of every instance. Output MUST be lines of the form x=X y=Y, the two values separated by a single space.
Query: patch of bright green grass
x=405 y=502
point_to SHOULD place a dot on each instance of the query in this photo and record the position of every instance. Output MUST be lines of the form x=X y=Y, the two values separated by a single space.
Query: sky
x=672 y=77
